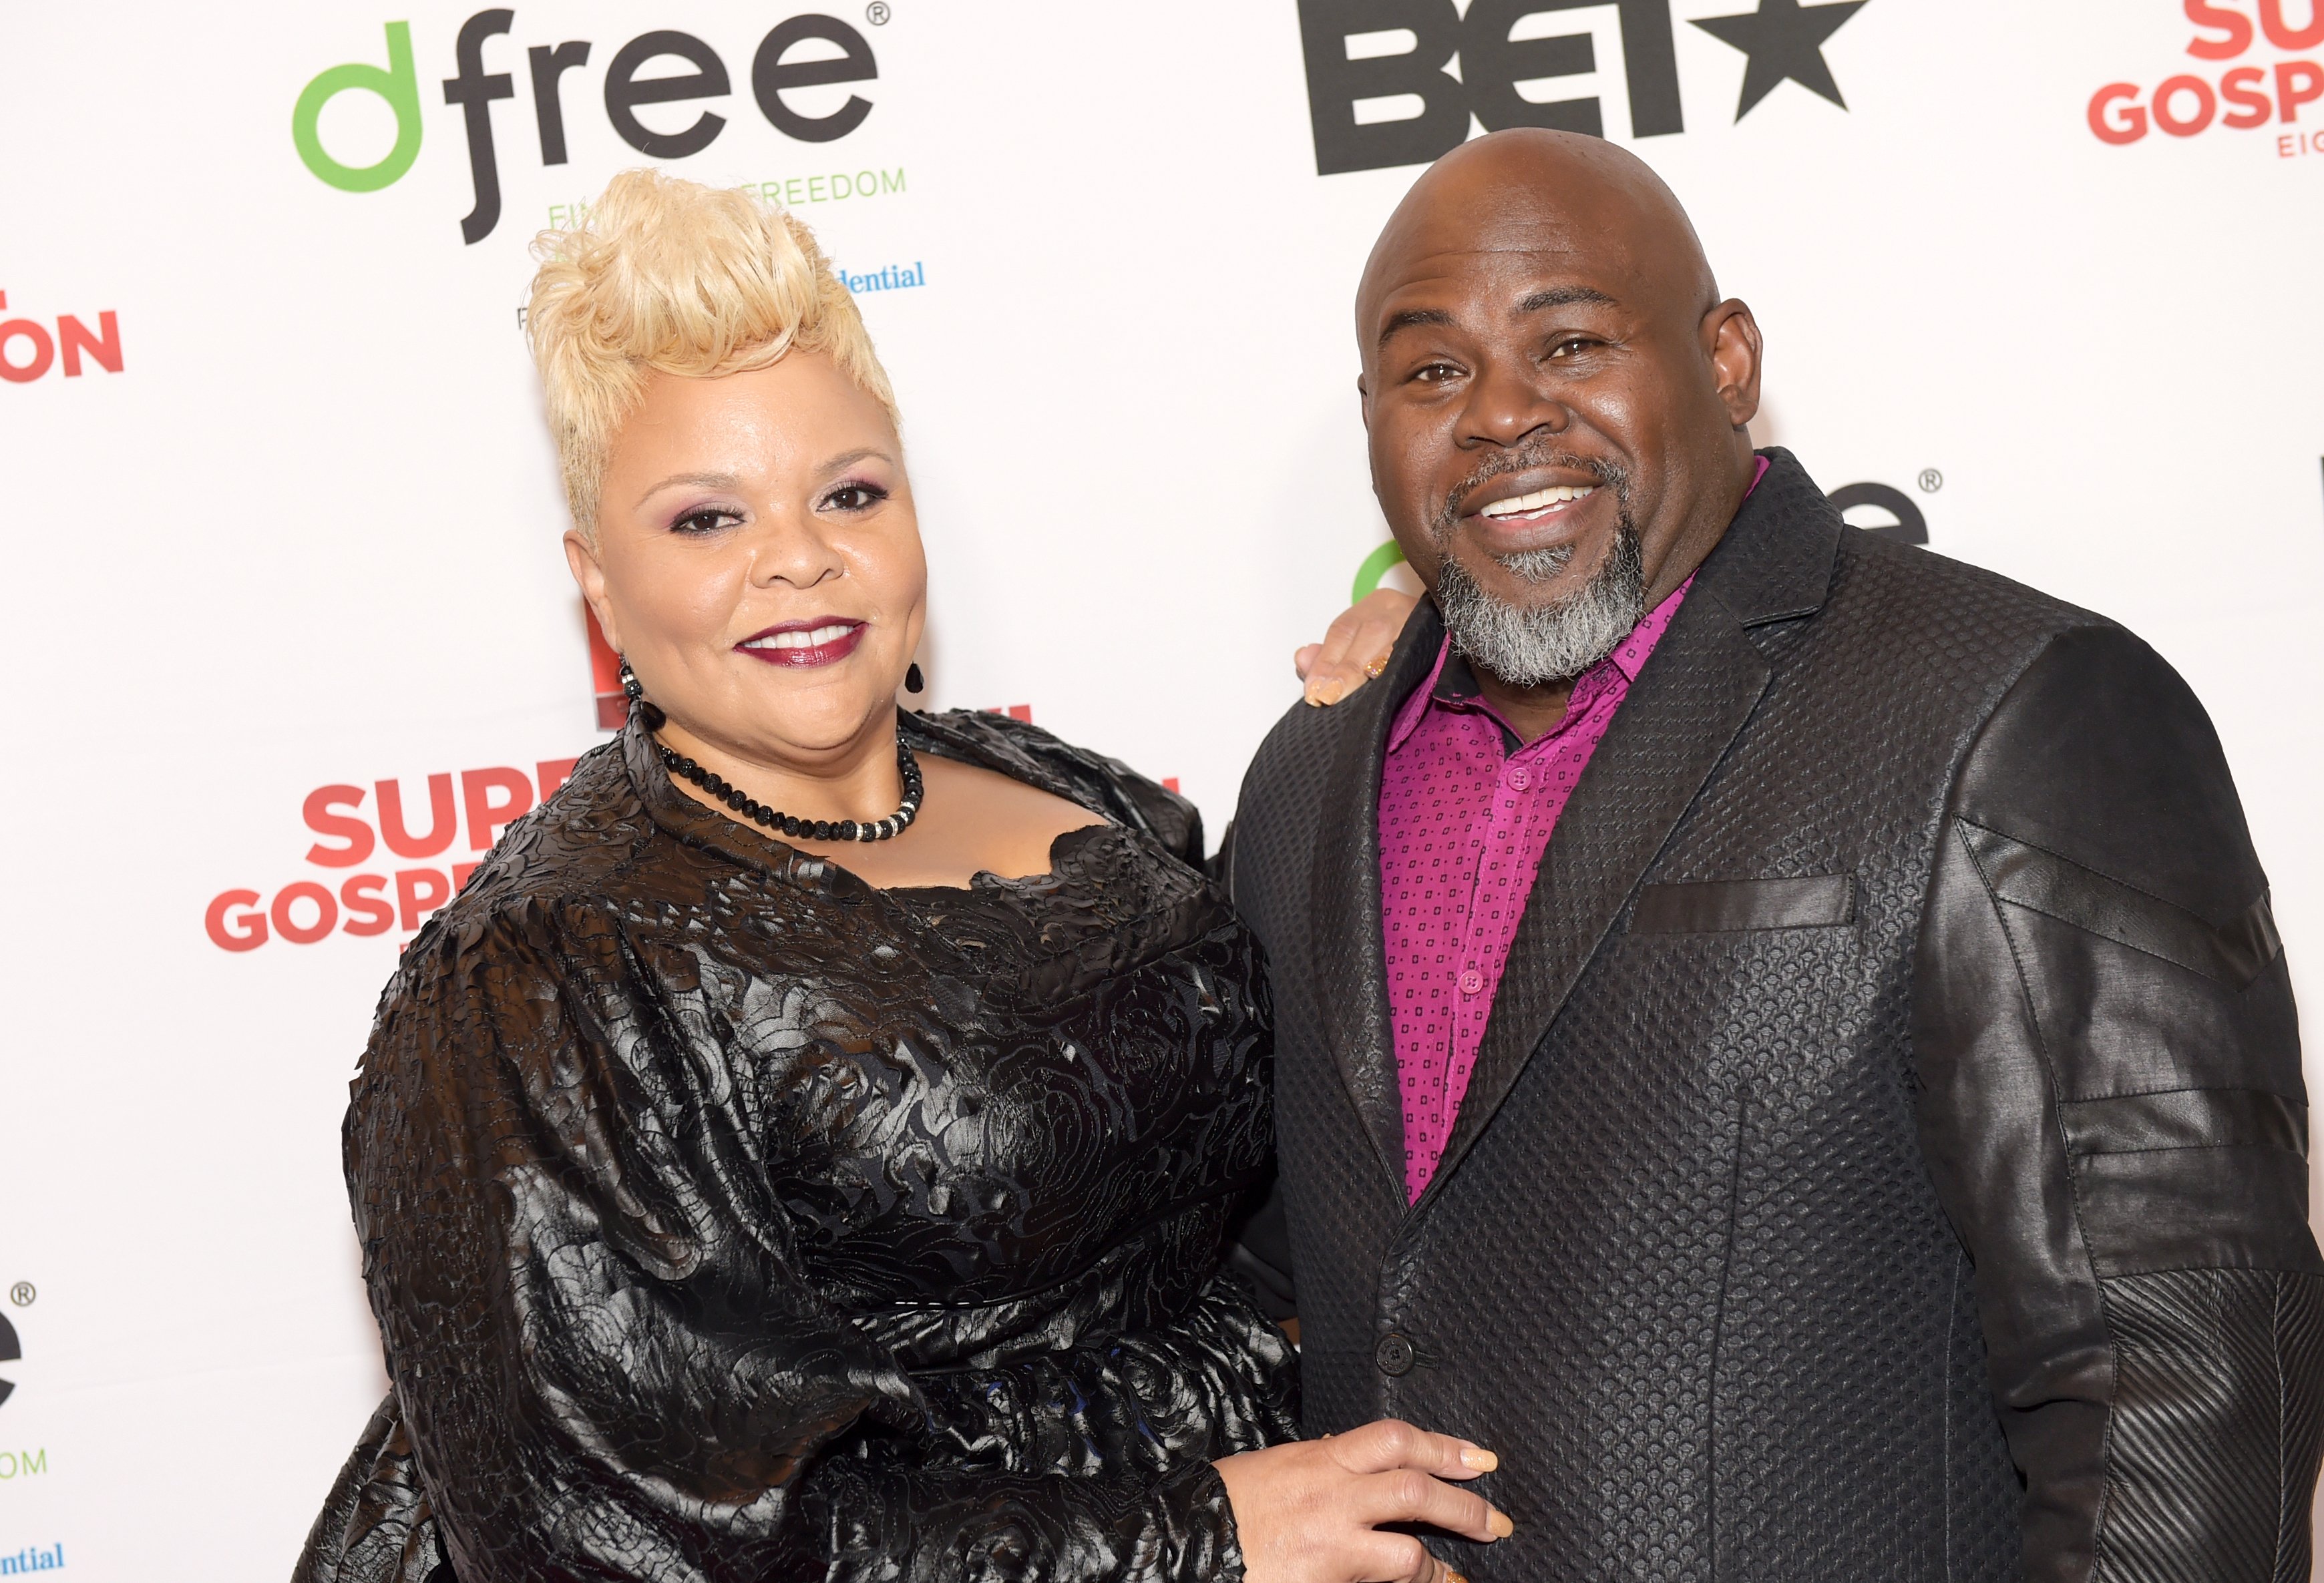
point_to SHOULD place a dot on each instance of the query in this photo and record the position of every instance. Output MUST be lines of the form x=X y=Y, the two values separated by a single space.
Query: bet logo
x=776 y=69
x=10 y=1351
x=1360 y=70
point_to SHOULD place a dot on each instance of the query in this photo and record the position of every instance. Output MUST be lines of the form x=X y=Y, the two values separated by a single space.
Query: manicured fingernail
x=1497 y=1522
x=1480 y=1459
x=1330 y=692
x=1456 y=1577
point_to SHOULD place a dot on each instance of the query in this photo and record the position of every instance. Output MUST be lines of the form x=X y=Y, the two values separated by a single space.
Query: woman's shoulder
x=1025 y=751
x=577 y=847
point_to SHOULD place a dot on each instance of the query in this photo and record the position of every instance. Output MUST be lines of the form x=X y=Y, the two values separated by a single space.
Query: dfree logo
x=2241 y=96
x=101 y=345
x=1393 y=82
x=795 y=54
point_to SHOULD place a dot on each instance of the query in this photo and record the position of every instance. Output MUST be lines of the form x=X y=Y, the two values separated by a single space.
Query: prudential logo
x=800 y=53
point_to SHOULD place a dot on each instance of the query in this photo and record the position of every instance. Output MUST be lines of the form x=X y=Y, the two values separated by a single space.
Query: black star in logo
x=1784 y=40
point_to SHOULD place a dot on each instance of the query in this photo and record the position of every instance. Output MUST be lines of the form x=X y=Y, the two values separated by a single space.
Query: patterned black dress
x=728 y=1218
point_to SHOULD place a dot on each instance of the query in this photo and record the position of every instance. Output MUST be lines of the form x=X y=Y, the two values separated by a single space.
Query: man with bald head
x=1781 y=1035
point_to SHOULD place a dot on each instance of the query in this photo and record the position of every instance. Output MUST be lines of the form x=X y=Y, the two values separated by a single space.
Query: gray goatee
x=1529 y=645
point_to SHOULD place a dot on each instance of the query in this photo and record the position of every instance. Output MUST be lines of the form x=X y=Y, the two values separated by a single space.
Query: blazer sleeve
x=611 y=1368
x=2112 y=1110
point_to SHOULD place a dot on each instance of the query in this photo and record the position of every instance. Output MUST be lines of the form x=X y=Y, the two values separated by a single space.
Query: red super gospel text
x=2244 y=97
x=307 y=910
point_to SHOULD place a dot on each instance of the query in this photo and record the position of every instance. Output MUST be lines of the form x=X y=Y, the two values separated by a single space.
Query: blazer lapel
x=1349 y=955
x=1701 y=684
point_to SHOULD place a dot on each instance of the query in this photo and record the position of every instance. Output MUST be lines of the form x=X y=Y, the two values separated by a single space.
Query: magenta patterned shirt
x=1465 y=813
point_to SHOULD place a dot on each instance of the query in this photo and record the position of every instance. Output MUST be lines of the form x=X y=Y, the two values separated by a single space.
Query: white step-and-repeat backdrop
x=288 y=636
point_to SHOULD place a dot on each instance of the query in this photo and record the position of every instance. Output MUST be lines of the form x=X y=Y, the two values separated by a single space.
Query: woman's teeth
x=1539 y=498
x=813 y=639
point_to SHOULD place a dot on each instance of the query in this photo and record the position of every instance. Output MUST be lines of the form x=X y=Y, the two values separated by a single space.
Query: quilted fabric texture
x=1757 y=1252
x=726 y=1219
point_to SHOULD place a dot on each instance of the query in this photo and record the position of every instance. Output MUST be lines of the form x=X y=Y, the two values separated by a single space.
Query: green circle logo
x=1376 y=567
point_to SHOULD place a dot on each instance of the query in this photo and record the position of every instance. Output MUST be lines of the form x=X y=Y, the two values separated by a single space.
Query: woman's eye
x=853 y=497
x=707 y=521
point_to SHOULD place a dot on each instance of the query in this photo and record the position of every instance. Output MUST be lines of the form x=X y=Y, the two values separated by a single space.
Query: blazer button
x=1394 y=1354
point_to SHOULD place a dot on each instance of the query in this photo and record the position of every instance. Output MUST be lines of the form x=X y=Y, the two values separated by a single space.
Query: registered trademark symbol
x=877 y=13
x=22 y=1294
x=1931 y=481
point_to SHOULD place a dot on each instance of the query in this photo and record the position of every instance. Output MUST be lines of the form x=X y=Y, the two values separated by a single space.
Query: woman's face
x=758 y=560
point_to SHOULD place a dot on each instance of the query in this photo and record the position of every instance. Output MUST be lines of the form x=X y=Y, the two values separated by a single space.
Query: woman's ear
x=589 y=573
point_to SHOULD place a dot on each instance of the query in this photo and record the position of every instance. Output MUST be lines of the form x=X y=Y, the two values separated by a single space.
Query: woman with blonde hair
x=808 y=1146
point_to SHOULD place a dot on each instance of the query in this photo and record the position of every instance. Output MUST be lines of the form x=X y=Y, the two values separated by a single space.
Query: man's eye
x=1434 y=374
x=1571 y=346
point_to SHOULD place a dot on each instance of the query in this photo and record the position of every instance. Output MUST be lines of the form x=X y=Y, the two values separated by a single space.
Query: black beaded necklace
x=741 y=803
x=735 y=797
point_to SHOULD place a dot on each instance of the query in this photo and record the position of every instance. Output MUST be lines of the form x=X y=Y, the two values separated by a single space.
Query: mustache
x=1524 y=458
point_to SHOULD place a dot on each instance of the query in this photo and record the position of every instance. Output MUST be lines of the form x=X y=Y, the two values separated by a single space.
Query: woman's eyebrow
x=698 y=480
x=849 y=458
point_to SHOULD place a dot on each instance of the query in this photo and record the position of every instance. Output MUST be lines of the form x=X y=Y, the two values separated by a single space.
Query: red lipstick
x=822 y=640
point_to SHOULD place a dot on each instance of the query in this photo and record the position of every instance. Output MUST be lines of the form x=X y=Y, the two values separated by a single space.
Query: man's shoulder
x=1300 y=754
x=1284 y=792
x=1936 y=594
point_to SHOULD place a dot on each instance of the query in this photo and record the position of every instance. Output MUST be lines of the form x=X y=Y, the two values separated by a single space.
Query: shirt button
x=1471 y=981
x=1520 y=777
x=1394 y=1354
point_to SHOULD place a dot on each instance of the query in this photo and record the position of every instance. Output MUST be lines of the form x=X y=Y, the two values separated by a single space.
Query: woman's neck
x=857 y=780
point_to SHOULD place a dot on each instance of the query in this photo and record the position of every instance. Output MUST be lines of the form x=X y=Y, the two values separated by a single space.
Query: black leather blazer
x=1885 y=1159
x=728 y=1219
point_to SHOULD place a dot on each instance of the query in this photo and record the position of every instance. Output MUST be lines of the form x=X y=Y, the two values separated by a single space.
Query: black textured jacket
x=728 y=1219
x=1885 y=1160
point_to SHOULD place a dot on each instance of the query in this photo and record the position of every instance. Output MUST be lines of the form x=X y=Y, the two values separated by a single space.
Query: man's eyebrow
x=1565 y=297
x=1409 y=318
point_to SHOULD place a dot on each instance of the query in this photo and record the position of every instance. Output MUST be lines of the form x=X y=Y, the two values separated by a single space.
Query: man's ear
x=589 y=574
x=1730 y=337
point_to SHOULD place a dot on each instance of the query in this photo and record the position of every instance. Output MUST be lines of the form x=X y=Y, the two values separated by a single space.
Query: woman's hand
x=1310 y=1511
x=1354 y=647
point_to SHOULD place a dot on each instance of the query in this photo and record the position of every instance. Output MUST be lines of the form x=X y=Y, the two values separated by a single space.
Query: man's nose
x=1505 y=404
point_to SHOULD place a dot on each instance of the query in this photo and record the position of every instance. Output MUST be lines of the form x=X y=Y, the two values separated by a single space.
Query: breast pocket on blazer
x=1717 y=906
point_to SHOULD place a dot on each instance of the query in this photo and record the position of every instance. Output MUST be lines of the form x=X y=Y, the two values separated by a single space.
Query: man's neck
x=1533 y=712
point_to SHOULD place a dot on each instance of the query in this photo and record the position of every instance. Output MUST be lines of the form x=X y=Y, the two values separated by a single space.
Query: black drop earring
x=650 y=716
x=913 y=681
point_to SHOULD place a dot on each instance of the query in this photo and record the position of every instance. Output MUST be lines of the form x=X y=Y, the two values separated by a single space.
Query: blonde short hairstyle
x=670 y=275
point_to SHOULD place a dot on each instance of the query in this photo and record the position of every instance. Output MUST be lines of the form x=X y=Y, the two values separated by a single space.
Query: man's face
x=1543 y=383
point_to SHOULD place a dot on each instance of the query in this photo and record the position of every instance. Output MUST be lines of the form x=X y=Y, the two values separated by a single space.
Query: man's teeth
x=1539 y=498
x=813 y=639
